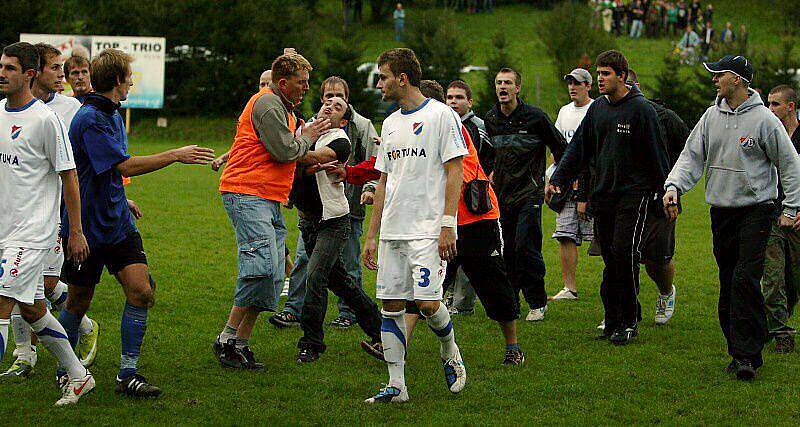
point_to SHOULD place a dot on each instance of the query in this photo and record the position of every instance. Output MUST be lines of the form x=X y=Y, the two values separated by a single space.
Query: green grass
x=671 y=374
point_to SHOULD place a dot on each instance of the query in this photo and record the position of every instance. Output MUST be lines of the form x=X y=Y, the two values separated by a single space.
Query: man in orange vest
x=256 y=180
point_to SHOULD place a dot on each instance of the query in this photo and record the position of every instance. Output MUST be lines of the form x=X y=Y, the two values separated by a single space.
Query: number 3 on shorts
x=425 y=279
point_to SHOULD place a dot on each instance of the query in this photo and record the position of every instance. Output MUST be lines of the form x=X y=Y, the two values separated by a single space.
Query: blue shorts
x=261 y=240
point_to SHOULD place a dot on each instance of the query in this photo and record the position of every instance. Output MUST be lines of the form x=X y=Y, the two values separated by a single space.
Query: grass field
x=671 y=374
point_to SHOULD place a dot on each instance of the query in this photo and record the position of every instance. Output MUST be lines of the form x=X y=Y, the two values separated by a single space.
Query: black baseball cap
x=736 y=64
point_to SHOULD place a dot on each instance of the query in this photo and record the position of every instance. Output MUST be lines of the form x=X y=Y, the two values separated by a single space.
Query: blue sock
x=72 y=324
x=512 y=347
x=134 y=324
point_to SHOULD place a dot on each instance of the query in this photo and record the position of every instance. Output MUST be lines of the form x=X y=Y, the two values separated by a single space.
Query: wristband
x=448 y=221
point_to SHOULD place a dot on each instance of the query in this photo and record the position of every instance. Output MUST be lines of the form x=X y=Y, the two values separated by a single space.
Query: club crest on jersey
x=747 y=142
x=417 y=128
x=15 y=131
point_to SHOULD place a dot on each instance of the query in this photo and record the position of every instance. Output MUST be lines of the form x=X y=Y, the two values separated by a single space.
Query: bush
x=569 y=38
x=688 y=97
x=435 y=39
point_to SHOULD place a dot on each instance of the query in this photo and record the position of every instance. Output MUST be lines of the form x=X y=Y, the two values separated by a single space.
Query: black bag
x=476 y=196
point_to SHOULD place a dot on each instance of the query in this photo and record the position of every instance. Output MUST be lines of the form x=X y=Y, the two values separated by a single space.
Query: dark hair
x=402 y=61
x=26 y=54
x=335 y=80
x=632 y=76
x=517 y=75
x=461 y=84
x=76 y=61
x=788 y=92
x=614 y=59
x=45 y=50
x=432 y=89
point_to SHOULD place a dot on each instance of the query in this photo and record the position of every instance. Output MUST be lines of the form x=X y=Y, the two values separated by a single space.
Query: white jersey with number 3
x=415 y=144
x=34 y=148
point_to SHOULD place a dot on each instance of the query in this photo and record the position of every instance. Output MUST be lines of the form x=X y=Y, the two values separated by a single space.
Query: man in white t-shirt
x=34 y=151
x=416 y=201
x=45 y=85
x=572 y=225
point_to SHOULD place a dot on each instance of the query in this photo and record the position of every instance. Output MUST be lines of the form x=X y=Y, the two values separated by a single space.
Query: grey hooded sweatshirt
x=741 y=152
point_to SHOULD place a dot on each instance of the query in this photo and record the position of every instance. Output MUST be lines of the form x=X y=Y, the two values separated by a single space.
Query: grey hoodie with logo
x=741 y=151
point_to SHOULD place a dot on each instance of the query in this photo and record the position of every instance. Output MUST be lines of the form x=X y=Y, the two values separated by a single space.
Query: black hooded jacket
x=623 y=146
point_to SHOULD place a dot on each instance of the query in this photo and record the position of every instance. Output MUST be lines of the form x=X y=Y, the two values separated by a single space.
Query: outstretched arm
x=140 y=165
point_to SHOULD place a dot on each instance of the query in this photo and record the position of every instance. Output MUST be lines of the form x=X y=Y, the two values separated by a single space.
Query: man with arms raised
x=415 y=208
x=45 y=88
x=743 y=149
x=100 y=145
x=33 y=154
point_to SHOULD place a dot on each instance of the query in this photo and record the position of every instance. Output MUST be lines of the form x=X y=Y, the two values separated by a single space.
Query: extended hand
x=217 y=163
x=582 y=211
x=194 y=155
x=447 y=244
x=367 y=198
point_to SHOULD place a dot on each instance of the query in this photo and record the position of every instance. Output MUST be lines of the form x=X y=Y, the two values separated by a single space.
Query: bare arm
x=370 y=248
x=78 y=249
x=140 y=165
x=455 y=179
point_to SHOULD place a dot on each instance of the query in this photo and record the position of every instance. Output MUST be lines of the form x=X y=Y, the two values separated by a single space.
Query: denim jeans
x=297 y=278
x=324 y=242
x=636 y=28
x=352 y=263
x=522 y=239
x=261 y=239
x=399 y=28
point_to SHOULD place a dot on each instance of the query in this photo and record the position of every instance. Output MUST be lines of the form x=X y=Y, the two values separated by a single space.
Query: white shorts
x=21 y=276
x=54 y=260
x=410 y=270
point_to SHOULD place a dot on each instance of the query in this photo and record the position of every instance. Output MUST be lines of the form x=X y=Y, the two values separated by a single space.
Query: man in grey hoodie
x=742 y=146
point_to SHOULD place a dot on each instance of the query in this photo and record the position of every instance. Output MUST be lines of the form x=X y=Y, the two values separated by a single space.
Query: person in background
x=399 y=16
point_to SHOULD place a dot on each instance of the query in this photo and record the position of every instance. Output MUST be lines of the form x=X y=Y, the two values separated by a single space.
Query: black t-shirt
x=305 y=193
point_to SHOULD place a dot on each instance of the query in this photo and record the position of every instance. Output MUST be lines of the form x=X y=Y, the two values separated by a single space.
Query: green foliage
x=499 y=57
x=436 y=40
x=688 y=97
x=342 y=58
x=776 y=67
x=569 y=38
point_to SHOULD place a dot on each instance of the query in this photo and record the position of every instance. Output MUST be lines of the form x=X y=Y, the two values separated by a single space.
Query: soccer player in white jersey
x=415 y=208
x=34 y=151
x=45 y=85
x=573 y=226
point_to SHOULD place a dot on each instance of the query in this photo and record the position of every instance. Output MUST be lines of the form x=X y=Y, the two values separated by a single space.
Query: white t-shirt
x=570 y=118
x=64 y=106
x=334 y=202
x=414 y=146
x=34 y=147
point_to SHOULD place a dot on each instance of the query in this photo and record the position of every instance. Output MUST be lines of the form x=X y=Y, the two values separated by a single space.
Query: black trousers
x=522 y=251
x=620 y=230
x=479 y=248
x=324 y=242
x=740 y=240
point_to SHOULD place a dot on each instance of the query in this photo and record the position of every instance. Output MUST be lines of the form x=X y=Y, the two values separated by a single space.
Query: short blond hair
x=109 y=68
x=287 y=65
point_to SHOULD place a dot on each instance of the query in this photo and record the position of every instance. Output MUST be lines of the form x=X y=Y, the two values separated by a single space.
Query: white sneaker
x=285 y=291
x=665 y=307
x=565 y=294
x=455 y=373
x=536 y=314
x=75 y=389
x=30 y=356
x=602 y=325
x=390 y=394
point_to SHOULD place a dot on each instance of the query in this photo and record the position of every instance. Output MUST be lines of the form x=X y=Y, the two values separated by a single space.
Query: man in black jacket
x=621 y=142
x=520 y=134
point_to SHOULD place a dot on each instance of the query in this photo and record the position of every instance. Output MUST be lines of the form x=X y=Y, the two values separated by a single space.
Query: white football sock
x=58 y=297
x=393 y=336
x=442 y=326
x=22 y=332
x=54 y=338
x=86 y=326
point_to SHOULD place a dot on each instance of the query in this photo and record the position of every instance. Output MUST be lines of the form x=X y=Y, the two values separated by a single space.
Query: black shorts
x=658 y=241
x=113 y=257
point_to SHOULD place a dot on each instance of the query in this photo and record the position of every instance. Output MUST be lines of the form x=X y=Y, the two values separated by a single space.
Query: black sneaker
x=136 y=386
x=307 y=355
x=514 y=358
x=284 y=319
x=228 y=356
x=374 y=349
x=783 y=344
x=623 y=336
x=731 y=368
x=745 y=370
x=341 y=323
x=248 y=360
